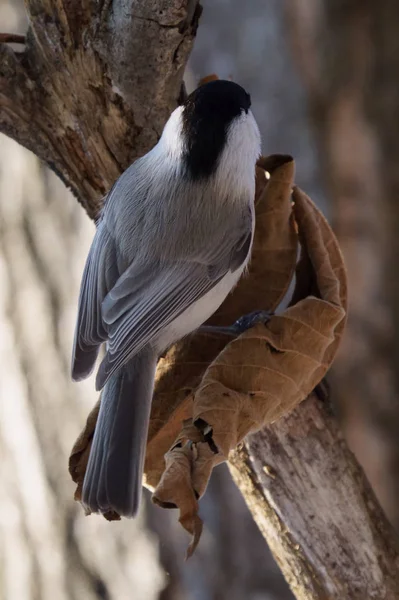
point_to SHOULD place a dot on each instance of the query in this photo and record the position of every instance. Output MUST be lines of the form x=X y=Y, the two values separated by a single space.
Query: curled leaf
x=175 y=489
x=265 y=372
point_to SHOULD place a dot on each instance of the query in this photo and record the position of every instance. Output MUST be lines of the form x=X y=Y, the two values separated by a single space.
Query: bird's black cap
x=207 y=113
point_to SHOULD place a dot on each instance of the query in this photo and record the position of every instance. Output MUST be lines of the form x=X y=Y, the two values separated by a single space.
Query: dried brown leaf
x=269 y=369
x=175 y=489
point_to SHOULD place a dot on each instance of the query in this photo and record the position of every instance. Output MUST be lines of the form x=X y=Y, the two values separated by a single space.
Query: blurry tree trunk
x=348 y=56
x=49 y=549
x=90 y=93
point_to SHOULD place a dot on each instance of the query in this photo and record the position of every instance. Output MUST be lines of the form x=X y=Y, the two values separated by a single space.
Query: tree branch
x=96 y=83
x=316 y=510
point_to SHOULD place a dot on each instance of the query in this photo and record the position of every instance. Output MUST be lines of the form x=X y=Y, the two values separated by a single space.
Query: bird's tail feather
x=115 y=468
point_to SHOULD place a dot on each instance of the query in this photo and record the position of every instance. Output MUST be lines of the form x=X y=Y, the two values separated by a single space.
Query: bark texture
x=95 y=84
x=316 y=510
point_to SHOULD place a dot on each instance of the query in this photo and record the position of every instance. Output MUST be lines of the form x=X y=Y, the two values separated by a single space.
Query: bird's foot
x=242 y=324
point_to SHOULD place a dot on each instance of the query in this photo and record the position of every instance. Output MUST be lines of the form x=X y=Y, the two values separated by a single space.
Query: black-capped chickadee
x=173 y=238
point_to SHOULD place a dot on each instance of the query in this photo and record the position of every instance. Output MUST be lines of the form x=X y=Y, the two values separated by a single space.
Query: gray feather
x=114 y=472
x=99 y=276
x=144 y=313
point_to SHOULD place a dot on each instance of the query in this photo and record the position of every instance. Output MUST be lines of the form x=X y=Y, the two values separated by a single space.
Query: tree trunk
x=90 y=93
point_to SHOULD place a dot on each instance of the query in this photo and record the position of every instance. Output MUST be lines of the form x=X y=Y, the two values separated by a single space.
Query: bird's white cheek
x=237 y=162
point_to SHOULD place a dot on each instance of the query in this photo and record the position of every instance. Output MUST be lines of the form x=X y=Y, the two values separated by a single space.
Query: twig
x=12 y=38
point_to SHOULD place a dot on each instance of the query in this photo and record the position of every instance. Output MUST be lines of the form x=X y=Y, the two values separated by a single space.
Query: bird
x=172 y=240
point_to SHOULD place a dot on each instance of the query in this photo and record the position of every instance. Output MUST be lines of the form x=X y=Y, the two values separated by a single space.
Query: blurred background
x=323 y=79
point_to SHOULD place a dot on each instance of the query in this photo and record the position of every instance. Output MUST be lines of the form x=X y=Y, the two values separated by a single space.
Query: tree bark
x=316 y=510
x=95 y=84
x=89 y=94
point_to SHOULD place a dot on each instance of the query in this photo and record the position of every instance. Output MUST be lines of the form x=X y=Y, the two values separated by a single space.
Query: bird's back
x=180 y=220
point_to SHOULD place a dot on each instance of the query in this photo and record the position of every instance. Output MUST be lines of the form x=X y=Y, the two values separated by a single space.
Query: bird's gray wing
x=99 y=276
x=146 y=300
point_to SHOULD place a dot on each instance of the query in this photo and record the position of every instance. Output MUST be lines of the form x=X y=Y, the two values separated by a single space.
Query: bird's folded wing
x=147 y=299
x=135 y=317
x=99 y=276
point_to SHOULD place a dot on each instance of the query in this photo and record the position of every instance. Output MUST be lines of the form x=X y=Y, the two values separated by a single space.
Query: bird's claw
x=242 y=324
x=250 y=320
